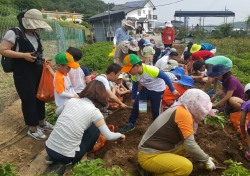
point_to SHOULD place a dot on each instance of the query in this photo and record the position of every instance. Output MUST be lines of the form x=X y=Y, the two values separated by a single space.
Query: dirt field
x=17 y=148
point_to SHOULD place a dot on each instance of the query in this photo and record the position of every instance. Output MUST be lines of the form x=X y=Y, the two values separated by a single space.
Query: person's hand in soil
x=122 y=136
x=122 y=105
x=209 y=165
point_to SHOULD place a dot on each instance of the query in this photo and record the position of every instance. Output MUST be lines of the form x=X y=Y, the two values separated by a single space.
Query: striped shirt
x=76 y=117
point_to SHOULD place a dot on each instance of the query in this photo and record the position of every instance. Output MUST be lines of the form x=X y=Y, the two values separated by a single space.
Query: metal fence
x=53 y=42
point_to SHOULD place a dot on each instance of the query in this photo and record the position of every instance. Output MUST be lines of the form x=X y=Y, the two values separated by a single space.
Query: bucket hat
x=178 y=71
x=218 y=70
x=130 y=24
x=186 y=81
x=129 y=61
x=172 y=64
x=195 y=48
x=133 y=45
x=147 y=42
x=247 y=87
x=33 y=19
x=64 y=58
x=168 y=24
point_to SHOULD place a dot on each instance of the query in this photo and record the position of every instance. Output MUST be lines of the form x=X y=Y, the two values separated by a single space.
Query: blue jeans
x=155 y=100
x=89 y=139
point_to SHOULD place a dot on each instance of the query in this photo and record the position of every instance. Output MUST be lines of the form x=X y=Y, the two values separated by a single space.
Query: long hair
x=96 y=92
x=19 y=18
x=225 y=76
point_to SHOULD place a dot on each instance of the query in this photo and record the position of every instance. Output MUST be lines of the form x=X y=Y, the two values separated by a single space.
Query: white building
x=63 y=16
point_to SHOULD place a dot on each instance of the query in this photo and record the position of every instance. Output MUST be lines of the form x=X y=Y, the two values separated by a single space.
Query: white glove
x=209 y=165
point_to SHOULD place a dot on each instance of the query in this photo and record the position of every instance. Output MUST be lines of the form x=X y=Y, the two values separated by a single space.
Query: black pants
x=168 y=45
x=89 y=139
x=27 y=82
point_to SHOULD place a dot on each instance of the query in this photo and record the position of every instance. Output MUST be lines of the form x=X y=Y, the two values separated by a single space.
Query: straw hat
x=130 y=24
x=33 y=19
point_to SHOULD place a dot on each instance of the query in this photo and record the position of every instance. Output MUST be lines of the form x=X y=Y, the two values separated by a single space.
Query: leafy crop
x=235 y=169
x=216 y=120
x=7 y=169
x=96 y=56
x=96 y=168
x=51 y=116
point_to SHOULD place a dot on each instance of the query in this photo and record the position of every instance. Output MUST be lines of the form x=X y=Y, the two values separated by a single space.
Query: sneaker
x=128 y=127
x=46 y=127
x=247 y=155
x=48 y=160
x=38 y=134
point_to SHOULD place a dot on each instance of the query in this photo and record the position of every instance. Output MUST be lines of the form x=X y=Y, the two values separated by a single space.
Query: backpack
x=6 y=62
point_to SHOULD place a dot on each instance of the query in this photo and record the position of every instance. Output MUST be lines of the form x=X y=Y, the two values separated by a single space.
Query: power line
x=169 y=3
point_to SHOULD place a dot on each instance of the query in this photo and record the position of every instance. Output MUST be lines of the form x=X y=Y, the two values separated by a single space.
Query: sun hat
x=130 y=24
x=172 y=64
x=247 y=87
x=168 y=24
x=218 y=70
x=198 y=103
x=147 y=42
x=64 y=58
x=178 y=71
x=195 y=47
x=139 y=25
x=186 y=81
x=120 y=76
x=33 y=19
x=133 y=45
x=160 y=46
x=125 y=46
x=129 y=61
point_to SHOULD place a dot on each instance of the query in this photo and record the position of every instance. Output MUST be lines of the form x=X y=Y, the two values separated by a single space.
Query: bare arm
x=5 y=50
x=113 y=97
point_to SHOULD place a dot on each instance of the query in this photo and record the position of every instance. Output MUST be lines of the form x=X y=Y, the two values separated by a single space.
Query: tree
x=28 y=4
x=225 y=29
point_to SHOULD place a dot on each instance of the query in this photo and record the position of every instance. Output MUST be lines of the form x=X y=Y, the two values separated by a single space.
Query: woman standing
x=168 y=35
x=27 y=68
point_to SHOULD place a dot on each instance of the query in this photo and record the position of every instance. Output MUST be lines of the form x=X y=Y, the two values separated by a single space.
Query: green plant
x=50 y=116
x=235 y=169
x=96 y=168
x=215 y=120
x=7 y=169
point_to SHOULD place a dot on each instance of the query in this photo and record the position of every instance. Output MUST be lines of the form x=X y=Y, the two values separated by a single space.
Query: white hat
x=130 y=24
x=33 y=19
x=168 y=24
x=247 y=87
x=172 y=64
x=120 y=76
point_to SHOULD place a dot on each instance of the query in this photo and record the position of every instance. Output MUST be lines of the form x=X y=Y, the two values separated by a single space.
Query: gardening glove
x=209 y=164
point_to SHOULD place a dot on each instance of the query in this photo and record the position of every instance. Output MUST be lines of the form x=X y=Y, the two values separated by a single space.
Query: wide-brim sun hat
x=130 y=24
x=172 y=64
x=178 y=71
x=187 y=81
x=195 y=47
x=133 y=45
x=168 y=24
x=33 y=19
x=218 y=70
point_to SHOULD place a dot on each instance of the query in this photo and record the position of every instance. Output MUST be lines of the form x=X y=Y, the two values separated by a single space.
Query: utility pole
x=109 y=30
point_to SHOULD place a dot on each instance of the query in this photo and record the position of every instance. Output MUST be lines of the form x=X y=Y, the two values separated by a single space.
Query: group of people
x=79 y=99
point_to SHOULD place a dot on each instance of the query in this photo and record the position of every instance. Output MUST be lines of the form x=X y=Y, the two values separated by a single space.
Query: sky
x=166 y=13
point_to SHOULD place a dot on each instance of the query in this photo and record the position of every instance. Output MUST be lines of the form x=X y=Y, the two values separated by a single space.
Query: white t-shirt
x=76 y=117
x=103 y=78
x=77 y=78
x=11 y=37
x=162 y=62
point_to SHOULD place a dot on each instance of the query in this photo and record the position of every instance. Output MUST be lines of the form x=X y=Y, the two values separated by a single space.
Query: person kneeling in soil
x=170 y=135
x=79 y=125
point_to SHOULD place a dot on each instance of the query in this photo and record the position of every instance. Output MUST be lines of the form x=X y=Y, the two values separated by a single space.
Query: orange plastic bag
x=101 y=141
x=45 y=90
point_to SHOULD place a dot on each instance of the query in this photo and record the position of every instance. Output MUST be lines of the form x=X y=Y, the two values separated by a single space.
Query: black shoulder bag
x=6 y=62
